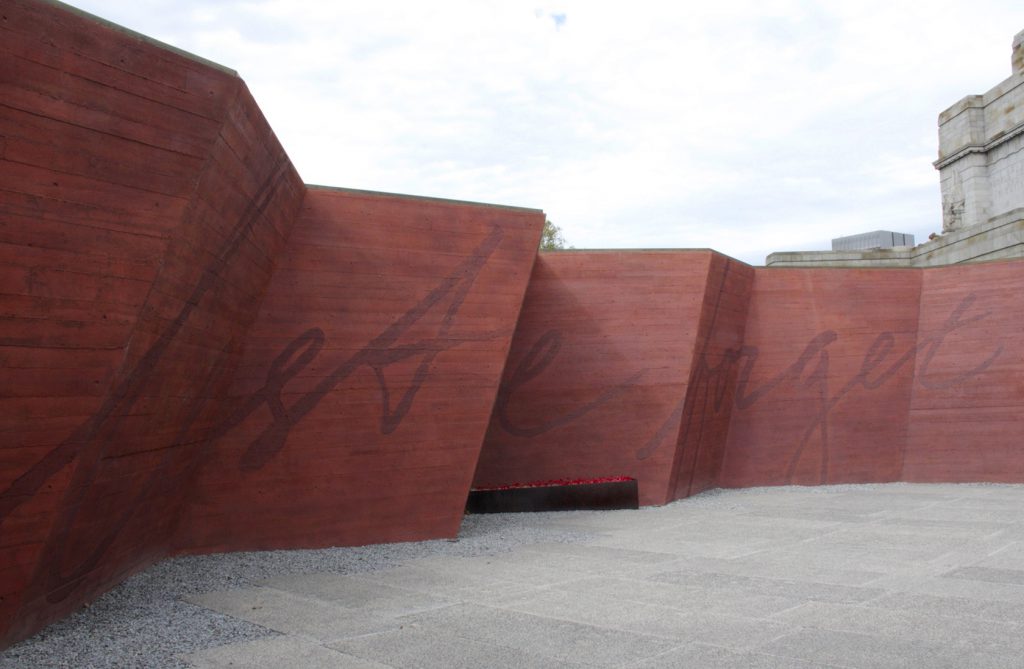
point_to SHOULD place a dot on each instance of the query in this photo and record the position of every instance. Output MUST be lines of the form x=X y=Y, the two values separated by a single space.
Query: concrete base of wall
x=999 y=238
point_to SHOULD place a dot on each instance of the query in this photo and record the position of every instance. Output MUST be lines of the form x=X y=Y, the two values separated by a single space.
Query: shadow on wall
x=805 y=376
x=199 y=353
x=202 y=354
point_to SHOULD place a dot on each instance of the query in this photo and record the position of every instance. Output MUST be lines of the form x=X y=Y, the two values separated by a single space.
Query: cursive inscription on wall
x=811 y=371
x=58 y=573
x=534 y=363
x=379 y=353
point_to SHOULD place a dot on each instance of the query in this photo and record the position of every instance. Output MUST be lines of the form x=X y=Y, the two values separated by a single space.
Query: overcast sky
x=743 y=126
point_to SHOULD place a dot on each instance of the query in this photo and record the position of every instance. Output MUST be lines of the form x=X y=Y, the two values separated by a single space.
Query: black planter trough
x=618 y=492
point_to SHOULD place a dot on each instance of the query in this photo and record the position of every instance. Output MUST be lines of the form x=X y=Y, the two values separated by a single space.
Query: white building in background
x=981 y=172
x=981 y=162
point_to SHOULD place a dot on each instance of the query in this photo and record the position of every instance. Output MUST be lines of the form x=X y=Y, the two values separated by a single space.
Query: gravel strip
x=143 y=622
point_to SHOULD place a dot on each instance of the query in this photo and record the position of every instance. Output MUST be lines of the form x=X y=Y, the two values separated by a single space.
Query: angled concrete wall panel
x=200 y=353
x=824 y=378
x=708 y=404
x=967 y=412
x=598 y=370
x=360 y=408
x=142 y=197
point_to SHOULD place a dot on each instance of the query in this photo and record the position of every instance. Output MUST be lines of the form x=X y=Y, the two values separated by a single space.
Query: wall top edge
x=849 y=268
x=981 y=100
x=967 y=149
x=635 y=250
x=139 y=36
x=421 y=198
x=653 y=250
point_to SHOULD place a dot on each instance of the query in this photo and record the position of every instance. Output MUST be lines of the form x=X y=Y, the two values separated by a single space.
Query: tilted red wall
x=598 y=371
x=145 y=207
x=824 y=377
x=368 y=379
x=199 y=353
x=967 y=407
x=880 y=375
x=143 y=198
x=796 y=376
x=707 y=407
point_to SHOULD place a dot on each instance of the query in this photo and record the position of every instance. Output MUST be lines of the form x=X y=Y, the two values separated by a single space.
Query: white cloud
x=746 y=126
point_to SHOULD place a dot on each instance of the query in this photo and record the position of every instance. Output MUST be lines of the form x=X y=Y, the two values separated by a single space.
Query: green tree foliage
x=551 y=239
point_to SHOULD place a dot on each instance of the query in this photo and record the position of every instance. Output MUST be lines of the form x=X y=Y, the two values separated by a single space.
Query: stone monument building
x=981 y=171
x=981 y=165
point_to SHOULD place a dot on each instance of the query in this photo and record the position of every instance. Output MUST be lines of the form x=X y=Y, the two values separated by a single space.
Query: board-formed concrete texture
x=600 y=365
x=200 y=353
x=966 y=414
x=815 y=376
x=621 y=366
x=143 y=197
x=367 y=382
x=825 y=378
x=146 y=214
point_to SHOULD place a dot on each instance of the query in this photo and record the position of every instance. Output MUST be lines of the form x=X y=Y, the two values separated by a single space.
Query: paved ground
x=843 y=576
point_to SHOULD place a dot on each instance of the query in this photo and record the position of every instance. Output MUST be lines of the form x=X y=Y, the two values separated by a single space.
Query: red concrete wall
x=142 y=198
x=598 y=369
x=708 y=405
x=825 y=377
x=145 y=205
x=198 y=353
x=967 y=409
x=369 y=377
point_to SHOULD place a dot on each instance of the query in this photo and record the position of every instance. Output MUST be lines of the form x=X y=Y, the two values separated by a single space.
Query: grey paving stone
x=613 y=521
x=843 y=576
x=619 y=556
x=989 y=502
x=447 y=583
x=693 y=546
x=770 y=586
x=956 y=607
x=358 y=593
x=986 y=636
x=1010 y=556
x=681 y=597
x=781 y=564
x=293 y=614
x=849 y=649
x=432 y=648
x=849 y=557
x=597 y=610
x=954 y=512
x=977 y=552
x=812 y=514
x=713 y=657
x=550 y=637
x=921 y=494
x=524 y=568
x=951 y=528
x=275 y=653
x=959 y=587
x=899 y=547
x=951 y=490
x=883 y=501
x=988 y=574
x=541 y=567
